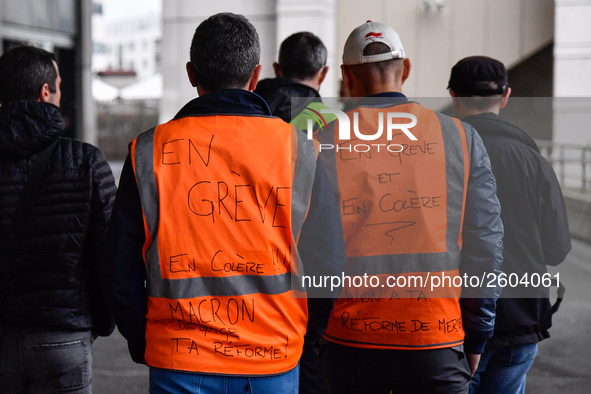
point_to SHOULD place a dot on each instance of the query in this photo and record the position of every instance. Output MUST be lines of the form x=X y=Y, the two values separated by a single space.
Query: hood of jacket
x=26 y=127
x=278 y=93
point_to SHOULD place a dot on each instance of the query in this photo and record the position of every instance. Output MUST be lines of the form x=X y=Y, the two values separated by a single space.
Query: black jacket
x=282 y=94
x=53 y=280
x=536 y=227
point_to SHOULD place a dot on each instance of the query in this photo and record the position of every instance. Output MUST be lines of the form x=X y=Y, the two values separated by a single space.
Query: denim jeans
x=382 y=371
x=176 y=382
x=311 y=378
x=502 y=369
x=35 y=361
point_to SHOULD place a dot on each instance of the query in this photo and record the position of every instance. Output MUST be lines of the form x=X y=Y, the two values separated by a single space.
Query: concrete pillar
x=181 y=18
x=318 y=17
x=572 y=80
x=274 y=20
x=86 y=114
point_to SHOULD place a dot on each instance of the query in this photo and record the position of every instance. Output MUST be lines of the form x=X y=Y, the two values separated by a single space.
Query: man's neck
x=469 y=111
x=364 y=90
x=311 y=83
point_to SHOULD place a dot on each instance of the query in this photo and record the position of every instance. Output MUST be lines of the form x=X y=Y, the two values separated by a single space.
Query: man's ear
x=347 y=80
x=191 y=74
x=44 y=93
x=277 y=69
x=322 y=75
x=454 y=100
x=505 y=98
x=406 y=70
x=254 y=79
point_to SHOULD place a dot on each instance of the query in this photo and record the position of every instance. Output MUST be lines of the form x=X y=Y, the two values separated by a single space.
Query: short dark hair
x=224 y=52
x=481 y=103
x=384 y=67
x=23 y=71
x=301 y=56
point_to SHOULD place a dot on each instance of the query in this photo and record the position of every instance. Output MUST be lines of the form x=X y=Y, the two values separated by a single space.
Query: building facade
x=435 y=33
x=126 y=43
x=62 y=27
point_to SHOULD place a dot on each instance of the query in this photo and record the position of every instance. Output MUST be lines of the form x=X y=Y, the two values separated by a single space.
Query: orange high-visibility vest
x=223 y=199
x=402 y=205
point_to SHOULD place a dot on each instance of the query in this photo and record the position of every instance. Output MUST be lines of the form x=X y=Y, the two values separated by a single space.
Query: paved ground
x=114 y=372
x=563 y=364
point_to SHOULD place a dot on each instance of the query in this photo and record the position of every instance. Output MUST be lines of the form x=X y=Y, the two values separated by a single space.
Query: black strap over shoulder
x=19 y=221
x=559 y=297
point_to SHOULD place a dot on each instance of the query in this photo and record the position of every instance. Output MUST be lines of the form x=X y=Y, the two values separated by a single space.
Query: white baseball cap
x=366 y=34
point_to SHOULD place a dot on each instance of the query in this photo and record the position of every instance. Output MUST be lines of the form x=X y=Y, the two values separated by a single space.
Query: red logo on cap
x=372 y=34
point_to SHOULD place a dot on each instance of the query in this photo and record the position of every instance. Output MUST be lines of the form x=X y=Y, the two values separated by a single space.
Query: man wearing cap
x=419 y=211
x=534 y=217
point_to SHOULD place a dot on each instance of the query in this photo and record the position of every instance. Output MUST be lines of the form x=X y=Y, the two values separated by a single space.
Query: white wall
x=572 y=49
x=572 y=76
x=181 y=18
x=318 y=17
x=508 y=30
x=274 y=20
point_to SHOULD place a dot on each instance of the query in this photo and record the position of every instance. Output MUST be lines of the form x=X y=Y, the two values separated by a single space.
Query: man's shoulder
x=71 y=145
x=492 y=125
x=449 y=119
x=510 y=148
x=268 y=83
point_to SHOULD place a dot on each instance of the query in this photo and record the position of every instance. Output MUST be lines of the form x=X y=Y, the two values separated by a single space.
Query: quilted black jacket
x=54 y=278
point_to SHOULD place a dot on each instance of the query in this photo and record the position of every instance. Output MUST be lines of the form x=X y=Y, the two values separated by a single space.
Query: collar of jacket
x=279 y=93
x=380 y=100
x=27 y=127
x=294 y=88
x=492 y=124
x=226 y=102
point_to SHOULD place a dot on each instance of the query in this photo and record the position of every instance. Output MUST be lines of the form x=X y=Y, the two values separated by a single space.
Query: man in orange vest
x=422 y=227
x=218 y=213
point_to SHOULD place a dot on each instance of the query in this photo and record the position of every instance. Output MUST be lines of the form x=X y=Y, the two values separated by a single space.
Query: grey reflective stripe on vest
x=144 y=174
x=305 y=170
x=146 y=181
x=215 y=286
x=403 y=263
x=325 y=136
x=454 y=171
x=220 y=286
x=303 y=182
x=424 y=262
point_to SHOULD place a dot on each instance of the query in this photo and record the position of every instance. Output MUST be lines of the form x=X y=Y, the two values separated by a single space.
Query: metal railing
x=572 y=163
x=121 y=121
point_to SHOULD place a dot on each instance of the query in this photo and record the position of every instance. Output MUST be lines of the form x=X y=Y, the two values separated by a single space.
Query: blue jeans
x=35 y=361
x=502 y=369
x=176 y=382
